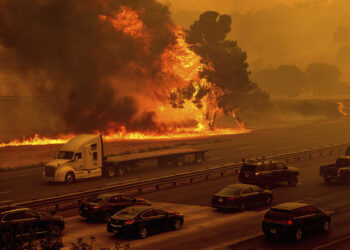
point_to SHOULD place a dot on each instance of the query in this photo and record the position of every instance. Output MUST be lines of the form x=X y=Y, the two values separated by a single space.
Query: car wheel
x=242 y=206
x=327 y=180
x=55 y=230
x=325 y=226
x=293 y=181
x=106 y=216
x=177 y=224
x=70 y=178
x=143 y=232
x=298 y=234
x=268 y=200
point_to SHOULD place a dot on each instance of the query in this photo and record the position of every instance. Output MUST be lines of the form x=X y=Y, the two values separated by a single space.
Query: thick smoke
x=70 y=53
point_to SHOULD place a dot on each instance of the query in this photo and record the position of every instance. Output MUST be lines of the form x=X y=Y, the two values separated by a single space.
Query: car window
x=14 y=216
x=28 y=214
x=256 y=189
x=114 y=199
x=148 y=213
x=247 y=191
x=127 y=198
x=272 y=166
x=159 y=212
x=280 y=165
x=301 y=211
x=310 y=210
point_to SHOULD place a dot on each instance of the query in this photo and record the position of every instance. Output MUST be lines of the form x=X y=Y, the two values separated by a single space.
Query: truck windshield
x=68 y=155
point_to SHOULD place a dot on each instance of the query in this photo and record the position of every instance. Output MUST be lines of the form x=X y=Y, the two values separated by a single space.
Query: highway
x=207 y=228
x=26 y=184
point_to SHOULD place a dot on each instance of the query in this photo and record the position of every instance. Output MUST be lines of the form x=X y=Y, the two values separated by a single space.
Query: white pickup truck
x=82 y=157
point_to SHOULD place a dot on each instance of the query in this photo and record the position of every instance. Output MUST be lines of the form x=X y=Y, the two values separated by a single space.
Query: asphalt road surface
x=26 y=184
x=207 y=228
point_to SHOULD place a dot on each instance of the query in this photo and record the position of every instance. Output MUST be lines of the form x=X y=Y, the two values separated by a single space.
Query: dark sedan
x=141 y=221
x=103 y=206
x=18 y=223
x=241 y=196
x=293 y=219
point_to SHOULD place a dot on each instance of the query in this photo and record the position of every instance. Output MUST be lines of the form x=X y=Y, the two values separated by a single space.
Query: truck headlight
x=59 y=174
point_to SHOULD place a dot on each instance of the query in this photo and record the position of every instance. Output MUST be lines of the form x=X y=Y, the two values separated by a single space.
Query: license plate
x=273 y=231
x=220 y=200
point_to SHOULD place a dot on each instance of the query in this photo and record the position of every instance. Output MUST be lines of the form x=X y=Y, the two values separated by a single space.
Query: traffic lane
x=223 y=149
x=30 y=187
x=310 y=185
x=219 y=228
x=314 y=240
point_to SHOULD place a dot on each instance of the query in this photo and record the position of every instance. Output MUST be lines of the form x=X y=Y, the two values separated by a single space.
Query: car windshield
x=68 y=155
x=97 y=198
x=343 y=162
x=129 y=212
x=233 y=191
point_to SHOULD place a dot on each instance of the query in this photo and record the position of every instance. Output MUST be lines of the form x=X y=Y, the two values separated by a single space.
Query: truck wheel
x=327 y=180
x=162 y=161
x=121 y=171
x=110 y=172
x=293 y=181
x=179 y=161
x=70 y=178
x=199 y=158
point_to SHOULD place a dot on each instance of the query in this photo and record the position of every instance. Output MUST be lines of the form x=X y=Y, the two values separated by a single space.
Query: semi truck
x=83 y=157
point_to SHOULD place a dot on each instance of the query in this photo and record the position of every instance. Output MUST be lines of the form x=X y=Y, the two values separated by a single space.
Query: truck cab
x=80 y=158
x=338 y=171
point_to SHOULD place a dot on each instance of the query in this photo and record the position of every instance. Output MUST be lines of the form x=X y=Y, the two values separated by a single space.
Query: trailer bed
x=153 y=155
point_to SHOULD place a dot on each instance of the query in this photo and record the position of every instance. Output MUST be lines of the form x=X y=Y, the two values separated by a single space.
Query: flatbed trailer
x=120 y=164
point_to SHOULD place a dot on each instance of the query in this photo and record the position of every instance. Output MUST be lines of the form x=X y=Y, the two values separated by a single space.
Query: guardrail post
x=207 y=177
x=310 y=156
x=174 y=184
x=157 y=187
x=191 y=180
x=139 y=190
x=222 y=174
x=57 y=207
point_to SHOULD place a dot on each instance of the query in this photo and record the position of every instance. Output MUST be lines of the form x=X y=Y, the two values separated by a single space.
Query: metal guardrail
x=174 y=180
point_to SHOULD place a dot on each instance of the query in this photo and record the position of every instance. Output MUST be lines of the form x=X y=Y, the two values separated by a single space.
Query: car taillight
x=229 y=199
x=339 y=172
x=129 y=222
x=268 y=220
x=283 y=222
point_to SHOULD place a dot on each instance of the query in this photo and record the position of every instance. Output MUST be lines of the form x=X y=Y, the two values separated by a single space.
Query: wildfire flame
x=341 y=109
x=183 y=65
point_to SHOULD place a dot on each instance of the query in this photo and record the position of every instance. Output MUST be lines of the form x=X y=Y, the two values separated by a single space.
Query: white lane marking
x=332 y=243
x=8 y=201
x=5 y=192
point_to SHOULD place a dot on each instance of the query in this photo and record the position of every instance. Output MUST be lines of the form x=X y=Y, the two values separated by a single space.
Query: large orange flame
x=180 y=66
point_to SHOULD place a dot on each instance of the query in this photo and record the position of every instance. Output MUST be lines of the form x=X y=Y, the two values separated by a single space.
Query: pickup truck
x=338 y=171
x=82 y=157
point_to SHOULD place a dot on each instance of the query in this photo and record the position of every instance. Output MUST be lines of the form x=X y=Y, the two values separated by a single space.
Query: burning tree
x=224 y=71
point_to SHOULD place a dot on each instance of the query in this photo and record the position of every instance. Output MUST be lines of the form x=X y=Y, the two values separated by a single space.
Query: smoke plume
x=75 y=54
